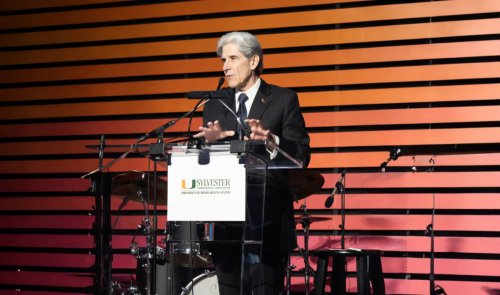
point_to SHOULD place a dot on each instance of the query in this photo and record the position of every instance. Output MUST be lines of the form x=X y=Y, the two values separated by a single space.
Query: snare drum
x=205 y=284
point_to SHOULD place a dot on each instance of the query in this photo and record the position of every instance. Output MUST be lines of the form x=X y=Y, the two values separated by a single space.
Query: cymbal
x=128 y=185
x=305 y=182
x=311 y=219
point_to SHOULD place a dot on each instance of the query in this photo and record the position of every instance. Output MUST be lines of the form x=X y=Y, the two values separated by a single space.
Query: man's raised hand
x=213 y=132
x=258 y=131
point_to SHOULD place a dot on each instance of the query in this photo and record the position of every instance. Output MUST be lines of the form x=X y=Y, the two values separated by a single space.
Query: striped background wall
x=371 y=75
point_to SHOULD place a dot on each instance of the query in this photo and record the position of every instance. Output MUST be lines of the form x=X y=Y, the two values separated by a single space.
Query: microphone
x=157 y=131
x=217 y=94
x=329 y=200
x=393 y=156
x=221 y=81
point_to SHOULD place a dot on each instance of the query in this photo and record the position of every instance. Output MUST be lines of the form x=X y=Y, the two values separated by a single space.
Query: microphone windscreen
x=329 y=202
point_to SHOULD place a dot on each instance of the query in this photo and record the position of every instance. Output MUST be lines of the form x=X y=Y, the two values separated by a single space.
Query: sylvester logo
x=206 y=184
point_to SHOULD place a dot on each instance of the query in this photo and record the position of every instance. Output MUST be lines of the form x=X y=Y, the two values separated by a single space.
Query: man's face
x=237 y=68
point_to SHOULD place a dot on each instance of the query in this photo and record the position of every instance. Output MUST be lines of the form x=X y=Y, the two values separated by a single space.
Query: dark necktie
x=242 y=110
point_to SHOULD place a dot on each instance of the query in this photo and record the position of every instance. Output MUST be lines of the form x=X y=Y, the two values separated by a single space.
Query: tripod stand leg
x=288 y=275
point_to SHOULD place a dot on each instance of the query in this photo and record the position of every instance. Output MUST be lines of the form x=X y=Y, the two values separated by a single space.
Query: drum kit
x=134 y=186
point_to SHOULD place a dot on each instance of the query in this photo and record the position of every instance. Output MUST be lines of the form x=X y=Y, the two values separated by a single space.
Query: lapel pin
x=265 y=100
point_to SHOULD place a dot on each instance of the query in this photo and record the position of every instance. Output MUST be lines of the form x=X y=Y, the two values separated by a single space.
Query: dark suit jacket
x=278 y=110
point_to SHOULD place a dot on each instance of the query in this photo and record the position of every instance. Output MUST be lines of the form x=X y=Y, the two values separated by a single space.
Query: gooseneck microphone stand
x=207 y=95
x=433 y=288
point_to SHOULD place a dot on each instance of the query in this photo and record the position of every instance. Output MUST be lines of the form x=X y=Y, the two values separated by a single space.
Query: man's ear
x=254 y=62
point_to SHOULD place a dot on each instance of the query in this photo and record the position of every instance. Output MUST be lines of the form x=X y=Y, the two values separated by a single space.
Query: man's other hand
x=213 y=132
x=258 y=131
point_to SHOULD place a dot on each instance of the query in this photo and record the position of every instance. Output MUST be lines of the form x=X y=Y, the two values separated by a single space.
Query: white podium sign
x=212 y=192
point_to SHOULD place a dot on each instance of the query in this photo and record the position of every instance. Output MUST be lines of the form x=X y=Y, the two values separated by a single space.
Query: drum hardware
x=304 y=183
x=147 y=253
x=289 y=269
x=142 y=253
x=115 y=286
x=143 y=281
x=134 y=249
x=305 y=255
x=305 y=221
x=167 y=234
x=187 y=256
x=133 y=290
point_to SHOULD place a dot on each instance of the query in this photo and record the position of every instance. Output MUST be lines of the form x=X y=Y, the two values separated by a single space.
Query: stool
x=368 y=268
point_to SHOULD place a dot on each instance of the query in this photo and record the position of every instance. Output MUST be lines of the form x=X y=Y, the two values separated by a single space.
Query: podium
x=216 y=199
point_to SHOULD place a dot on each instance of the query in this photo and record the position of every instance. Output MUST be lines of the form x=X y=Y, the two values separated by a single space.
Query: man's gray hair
x=246 y=43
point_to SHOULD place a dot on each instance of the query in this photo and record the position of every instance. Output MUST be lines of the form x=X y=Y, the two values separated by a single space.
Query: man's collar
x=252 y=91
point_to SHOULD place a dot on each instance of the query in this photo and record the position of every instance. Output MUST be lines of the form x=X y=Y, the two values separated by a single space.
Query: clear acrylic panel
x=187 y=264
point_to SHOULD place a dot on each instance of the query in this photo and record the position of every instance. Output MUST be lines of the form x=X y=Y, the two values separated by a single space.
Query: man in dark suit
x=273 y=114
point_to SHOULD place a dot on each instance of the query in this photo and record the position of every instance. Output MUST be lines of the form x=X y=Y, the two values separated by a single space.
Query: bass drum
x=205 y=284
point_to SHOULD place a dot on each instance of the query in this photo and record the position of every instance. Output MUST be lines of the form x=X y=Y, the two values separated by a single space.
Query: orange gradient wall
x=371 y=76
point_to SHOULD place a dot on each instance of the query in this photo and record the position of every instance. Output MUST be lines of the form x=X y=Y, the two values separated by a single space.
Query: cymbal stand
x=305 y=227
x=305 y=252
x=288 y=274
x=150 y=245
x=156 y=153
x=434 y=289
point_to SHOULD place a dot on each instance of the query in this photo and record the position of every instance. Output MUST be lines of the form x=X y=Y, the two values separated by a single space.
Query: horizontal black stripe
x=47 y=212
x=45 y=288
x=283 y=30
x=406 y=190
x=357 y=66
x=181 y=17
x=160 y=233
x=83 y=7
x=416 y=233
x=311 y=212
x=177 y=136
x=36 y=249
x=311 y=89
x=421 y=254
x=267 y=51
x=398 y=212
x=44 y=194
x=419 y=149
x=59 y=175
x=45 y=231
x=420 y=276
